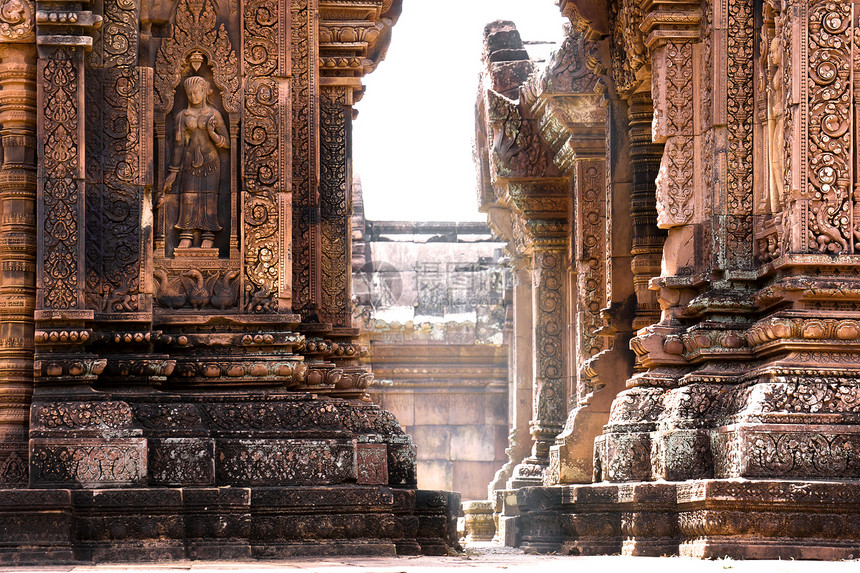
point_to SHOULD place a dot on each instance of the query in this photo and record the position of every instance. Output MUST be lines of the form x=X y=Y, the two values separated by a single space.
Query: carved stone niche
x=196 y=197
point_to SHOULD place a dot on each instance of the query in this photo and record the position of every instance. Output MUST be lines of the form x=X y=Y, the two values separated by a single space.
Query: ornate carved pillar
x=17 y=240
x=542 y=205
x=571 y=456
x=63 y=318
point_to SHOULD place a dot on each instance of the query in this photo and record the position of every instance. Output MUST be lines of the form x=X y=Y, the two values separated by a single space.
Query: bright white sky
x=413 y=137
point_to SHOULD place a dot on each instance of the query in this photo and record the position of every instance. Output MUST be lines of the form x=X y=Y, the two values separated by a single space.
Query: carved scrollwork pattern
x=89 y=462
x=672 y=91
x=16 y=20
x=675 y=183
x=829 y=124
x=334 y=206
x=591 y=266
x=114 y=199
x=305 y=204
x=548 y=291
x=627 y=46
x=60 y=190
x=261 y=140
x=740 y=148
x=119 y=33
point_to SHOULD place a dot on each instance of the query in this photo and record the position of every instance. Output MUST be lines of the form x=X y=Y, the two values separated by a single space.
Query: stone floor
x=474 y=560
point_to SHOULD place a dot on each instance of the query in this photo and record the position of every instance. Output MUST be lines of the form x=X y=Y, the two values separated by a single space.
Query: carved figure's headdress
x=195 y=81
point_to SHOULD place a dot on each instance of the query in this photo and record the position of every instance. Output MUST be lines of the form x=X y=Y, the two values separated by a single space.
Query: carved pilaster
x=267 y=199
x=549 y=403
x=592 y=267
x=522 y=352
x=305 y=112
x=17 y=250
x=61 y=309
x=336 y=202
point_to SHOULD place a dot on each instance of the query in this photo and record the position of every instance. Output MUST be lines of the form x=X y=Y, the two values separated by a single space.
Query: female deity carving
x=200 y=133
x=775 y=118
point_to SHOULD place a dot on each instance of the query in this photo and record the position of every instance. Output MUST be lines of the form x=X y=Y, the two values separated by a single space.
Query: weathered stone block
x=434 y=442
x=431 y=409
x=401 y=404
x=677 y=455
x=181 y=461
x=625 y=456
x=539 y=522
x=284 y=462
x=786 y=451
x=496 y=408
x=372 y=464
x=466 y=408
x=473 y=443
x=88 y=462
x=436 y=474
x=768 y=519
x=217 y=522
x=649 y=518
x=36 y=526
x=401 y=462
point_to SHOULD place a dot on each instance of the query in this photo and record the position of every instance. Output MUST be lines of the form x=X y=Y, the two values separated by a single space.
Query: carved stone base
x=649 y=519
x=737 y=518
x=821 y=451
x=769 y=519
x=620 y=457
x=506 y=514
x=590 y=520
x=260 y=439
x=165 y=524
x=437 y=513
x=539 y=522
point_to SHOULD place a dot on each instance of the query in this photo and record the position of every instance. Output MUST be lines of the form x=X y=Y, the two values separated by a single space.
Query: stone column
x=304 y=86
x=548 y=399
x=571 y=458
x=17 y=248
x=520 y=394
x=647 y=238
x=624 y=451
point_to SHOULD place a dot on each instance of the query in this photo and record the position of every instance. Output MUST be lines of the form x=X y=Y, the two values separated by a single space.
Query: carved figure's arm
x=218 y=131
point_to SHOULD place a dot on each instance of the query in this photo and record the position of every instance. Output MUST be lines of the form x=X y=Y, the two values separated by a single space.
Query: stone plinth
x=167 y=524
